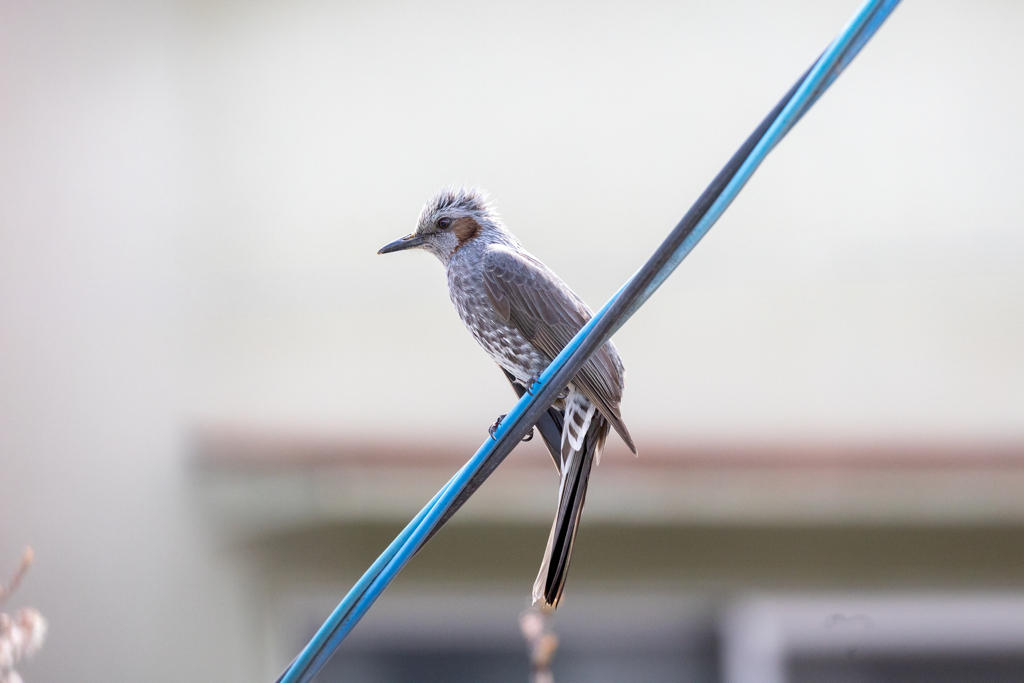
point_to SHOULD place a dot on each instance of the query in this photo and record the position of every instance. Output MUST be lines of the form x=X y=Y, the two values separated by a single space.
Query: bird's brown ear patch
x=465 y=228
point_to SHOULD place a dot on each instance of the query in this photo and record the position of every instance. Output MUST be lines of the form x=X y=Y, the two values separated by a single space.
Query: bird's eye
x=443 y=223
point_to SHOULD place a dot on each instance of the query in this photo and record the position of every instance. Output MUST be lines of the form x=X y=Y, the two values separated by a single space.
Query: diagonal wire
x=683 y=238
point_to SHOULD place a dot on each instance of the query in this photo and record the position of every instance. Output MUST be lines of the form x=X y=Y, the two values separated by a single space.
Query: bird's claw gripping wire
x=497 y=423
x=494 y=427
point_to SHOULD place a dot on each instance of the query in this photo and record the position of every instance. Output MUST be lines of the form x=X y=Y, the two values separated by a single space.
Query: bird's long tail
x=583 y=436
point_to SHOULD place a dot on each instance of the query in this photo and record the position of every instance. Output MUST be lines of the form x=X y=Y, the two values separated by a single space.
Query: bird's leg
x=529 y=386
x=497 y=423
x=494 y=427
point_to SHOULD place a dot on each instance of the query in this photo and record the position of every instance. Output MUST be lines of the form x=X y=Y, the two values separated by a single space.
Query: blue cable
x=822 y=74
x=327 y=632
x=599 y=329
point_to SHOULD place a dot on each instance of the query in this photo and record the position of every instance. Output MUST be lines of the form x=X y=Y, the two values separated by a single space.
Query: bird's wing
x=527 y=295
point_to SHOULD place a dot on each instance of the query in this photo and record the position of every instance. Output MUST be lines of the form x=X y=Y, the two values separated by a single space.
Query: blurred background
x=218 y=405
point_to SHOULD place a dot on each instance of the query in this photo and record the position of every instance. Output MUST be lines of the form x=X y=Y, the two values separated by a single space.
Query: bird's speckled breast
x=501 y=341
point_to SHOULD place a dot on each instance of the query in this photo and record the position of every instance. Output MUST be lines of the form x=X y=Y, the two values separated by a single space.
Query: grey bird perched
x=523 y=315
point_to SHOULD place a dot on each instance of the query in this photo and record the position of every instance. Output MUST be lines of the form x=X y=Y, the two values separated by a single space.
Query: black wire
x=634 y=289
x=619 y=308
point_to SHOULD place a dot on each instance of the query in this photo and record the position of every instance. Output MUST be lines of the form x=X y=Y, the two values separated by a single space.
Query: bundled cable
x=533 y=404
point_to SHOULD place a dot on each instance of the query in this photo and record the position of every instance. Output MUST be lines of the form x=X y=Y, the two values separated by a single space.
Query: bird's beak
x=407 y=242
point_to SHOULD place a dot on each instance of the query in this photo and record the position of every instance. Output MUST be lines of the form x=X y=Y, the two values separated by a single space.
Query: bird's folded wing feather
x=527 y=295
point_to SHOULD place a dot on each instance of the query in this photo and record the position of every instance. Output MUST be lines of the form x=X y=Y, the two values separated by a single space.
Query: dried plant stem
x=542 y=641
x=22 y=635
x=12 y=585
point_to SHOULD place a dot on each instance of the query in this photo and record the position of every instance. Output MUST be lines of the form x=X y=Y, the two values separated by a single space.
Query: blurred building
x=217 y=405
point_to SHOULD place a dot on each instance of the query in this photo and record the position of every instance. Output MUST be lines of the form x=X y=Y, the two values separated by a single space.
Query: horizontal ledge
x=235 y=448
x=258 y=483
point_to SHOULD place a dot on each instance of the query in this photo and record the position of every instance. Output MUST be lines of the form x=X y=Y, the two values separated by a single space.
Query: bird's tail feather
x=575 y=473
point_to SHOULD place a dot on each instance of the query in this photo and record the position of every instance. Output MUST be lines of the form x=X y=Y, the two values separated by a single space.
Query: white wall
x=868 y=283
x=94 y=194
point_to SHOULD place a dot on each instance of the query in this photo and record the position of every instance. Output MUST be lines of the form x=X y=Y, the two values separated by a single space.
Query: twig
x=22 y=636
x=26 y=561
x=543 y=642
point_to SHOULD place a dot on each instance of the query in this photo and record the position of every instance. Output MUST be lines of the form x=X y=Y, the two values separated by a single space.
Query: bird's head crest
x=454 y=202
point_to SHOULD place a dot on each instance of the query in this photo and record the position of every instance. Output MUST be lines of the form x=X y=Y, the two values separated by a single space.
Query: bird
x=523 y=315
